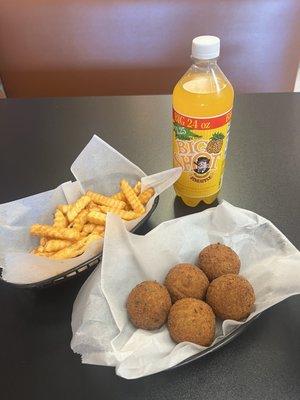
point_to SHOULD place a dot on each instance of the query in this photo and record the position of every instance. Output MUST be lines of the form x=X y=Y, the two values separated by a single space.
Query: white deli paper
x=102 y=333
x=99 y=167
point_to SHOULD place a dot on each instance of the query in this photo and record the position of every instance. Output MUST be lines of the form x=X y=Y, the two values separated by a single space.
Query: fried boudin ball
x=217 y=259
x=231 y=297
x=148 y=305
x=191 y=320
x=186 y=280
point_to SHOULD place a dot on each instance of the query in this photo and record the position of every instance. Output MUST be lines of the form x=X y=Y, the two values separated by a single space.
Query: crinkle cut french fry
x=64 y=208
x=80 y=220
x=72 y=251
x=146 y=195
x=55 y=233
x=121 y=196
x=137 y=188
x=68 y=252
x=128 y=207
x=78 y=206
x=91 y=205
x=88 y=228
x=96 y=217
x=41 y=246
x=54 y=245
x=60 y=221
x=127 y=215
x=131 y=197
x=106 y=201
x=95 y=208
x=92 y=228
x=91 y=238
x=75 y=249
x=99 y=229
x=43 y=241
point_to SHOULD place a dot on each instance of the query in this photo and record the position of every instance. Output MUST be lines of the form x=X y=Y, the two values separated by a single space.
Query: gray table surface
x=39 y=140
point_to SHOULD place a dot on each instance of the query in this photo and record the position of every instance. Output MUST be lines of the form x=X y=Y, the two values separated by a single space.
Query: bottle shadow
x=181 y=209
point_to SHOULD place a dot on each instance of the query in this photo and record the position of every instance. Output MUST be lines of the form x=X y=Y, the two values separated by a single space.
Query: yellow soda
x=202 y=109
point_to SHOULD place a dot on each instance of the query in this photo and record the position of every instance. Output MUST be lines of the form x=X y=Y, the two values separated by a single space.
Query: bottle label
x=199 y=147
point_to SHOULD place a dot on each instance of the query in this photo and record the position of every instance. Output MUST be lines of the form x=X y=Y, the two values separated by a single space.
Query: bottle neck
x=205 y=63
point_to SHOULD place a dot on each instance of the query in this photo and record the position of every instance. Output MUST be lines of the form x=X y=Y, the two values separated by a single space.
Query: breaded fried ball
x=186 y=280
x=148 y=305
x=231 y=297
x=192 y=320
x=217 y=259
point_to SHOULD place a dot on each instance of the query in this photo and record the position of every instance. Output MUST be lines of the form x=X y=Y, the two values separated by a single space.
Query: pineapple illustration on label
x=215 y=144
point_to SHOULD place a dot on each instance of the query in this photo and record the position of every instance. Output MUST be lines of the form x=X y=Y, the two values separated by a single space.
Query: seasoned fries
x=80 y=220
x=99 y=229
x=91 y=238
x=77 y=225
x=137 y=188
x=43 y=241
x=60 y=221
x=91 y=205
x=75 y=249
x=88 y=228
x=56 y=244
x=56 y=233
x=146 y=195
x=106 y=201
x=131 y=197
x=68 y=252
x=96 y=217
x=78 y=206
x=127 y=215
x=121 y=196
x=64 y=208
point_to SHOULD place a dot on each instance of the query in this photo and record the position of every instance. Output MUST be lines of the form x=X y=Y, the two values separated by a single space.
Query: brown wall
x=96 y=47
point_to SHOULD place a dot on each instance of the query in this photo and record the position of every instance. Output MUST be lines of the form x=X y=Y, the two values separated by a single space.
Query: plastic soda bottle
x=202 y=109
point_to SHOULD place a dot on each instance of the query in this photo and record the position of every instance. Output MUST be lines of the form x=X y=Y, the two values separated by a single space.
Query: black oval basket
x=227 y=339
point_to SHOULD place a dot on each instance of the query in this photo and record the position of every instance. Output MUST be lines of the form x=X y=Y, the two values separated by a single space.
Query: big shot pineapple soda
x=202 y=109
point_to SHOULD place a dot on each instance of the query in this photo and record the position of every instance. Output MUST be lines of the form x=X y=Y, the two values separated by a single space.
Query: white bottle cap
x=205 y=47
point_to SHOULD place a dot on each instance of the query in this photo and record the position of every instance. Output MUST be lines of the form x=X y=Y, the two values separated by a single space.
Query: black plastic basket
x=236 y=332
x=81 y=268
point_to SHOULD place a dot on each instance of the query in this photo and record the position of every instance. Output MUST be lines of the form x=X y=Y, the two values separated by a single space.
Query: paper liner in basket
x=98 y=167
x=102 y=333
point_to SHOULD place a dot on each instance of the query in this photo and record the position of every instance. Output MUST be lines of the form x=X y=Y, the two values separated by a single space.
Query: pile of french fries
x=77 y=225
